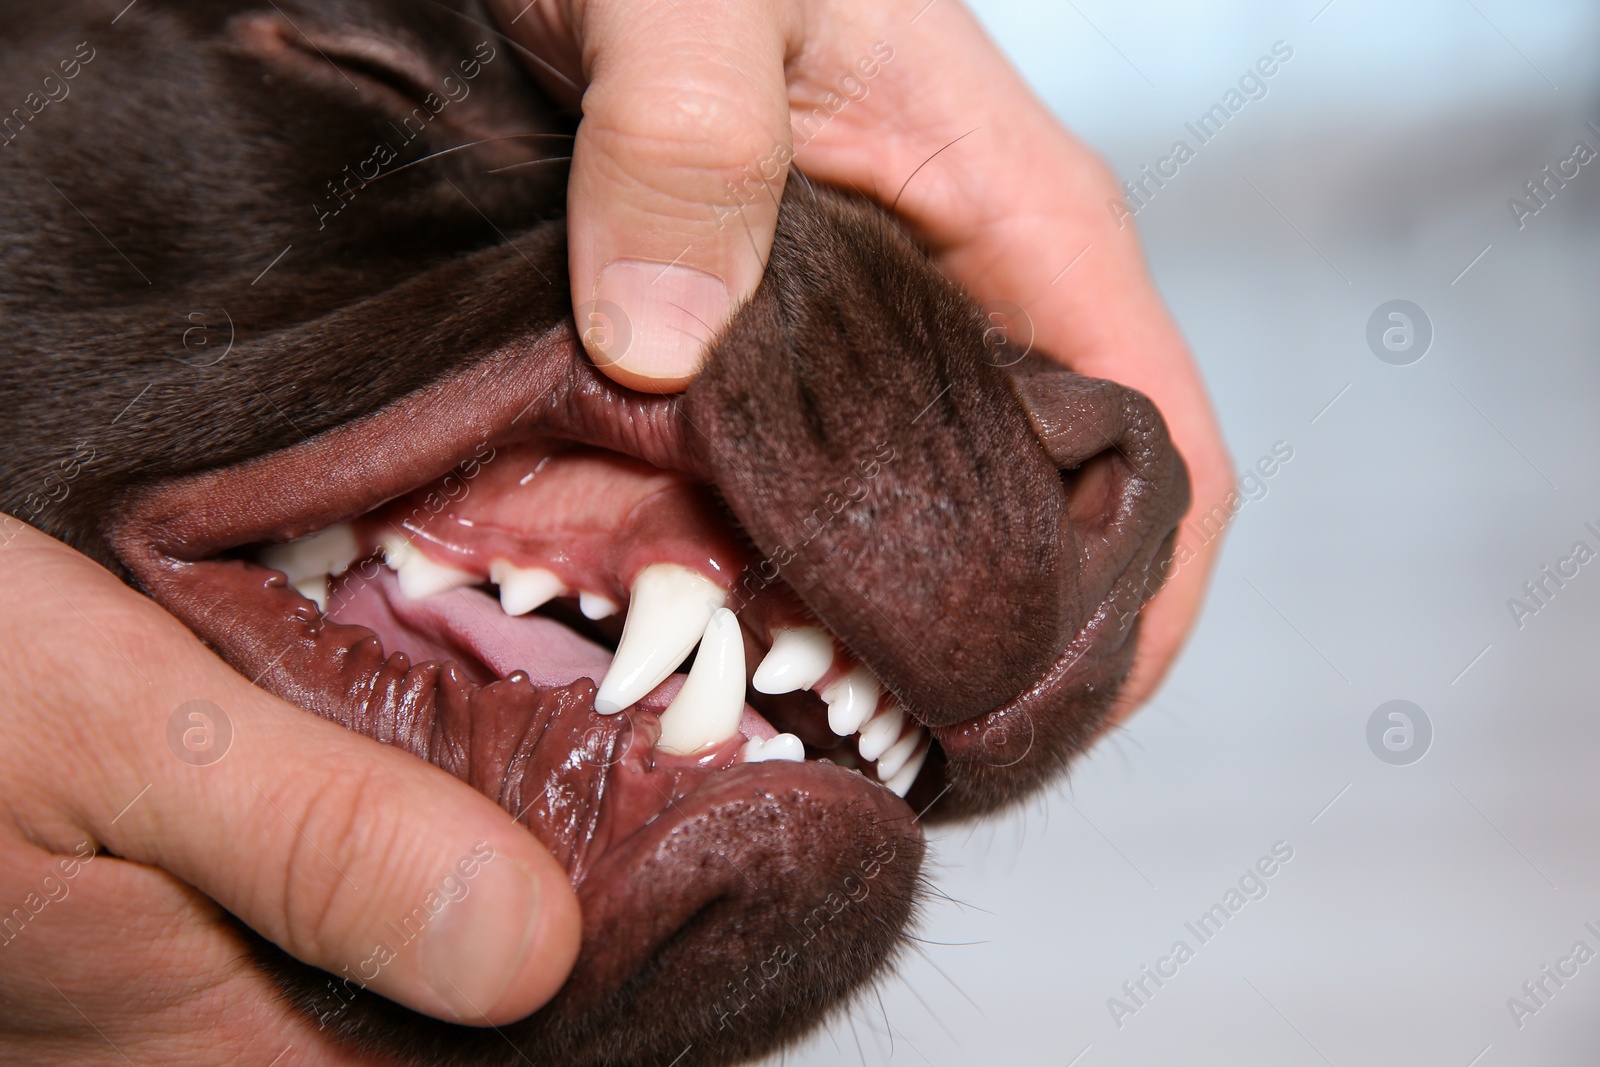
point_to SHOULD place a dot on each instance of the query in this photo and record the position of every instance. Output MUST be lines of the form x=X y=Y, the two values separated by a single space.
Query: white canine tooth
x=420 y=576
x=710 y=705
x=313 y=587
x=891 y=762
x=523 y=589
x=881 y=732
x=851 y=701
x=901 y=783
x=800 y=656
x=329 y=551
x=597 y=607
x=668 y=611
x=783 y=747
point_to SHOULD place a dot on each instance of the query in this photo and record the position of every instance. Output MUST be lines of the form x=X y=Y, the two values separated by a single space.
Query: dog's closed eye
x=393 y=72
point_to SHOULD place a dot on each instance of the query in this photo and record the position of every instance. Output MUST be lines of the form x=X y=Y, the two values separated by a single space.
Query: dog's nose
x=1126 y=486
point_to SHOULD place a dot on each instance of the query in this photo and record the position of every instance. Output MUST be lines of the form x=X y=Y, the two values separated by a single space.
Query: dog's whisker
x=464 y=147
x=936 y=891
x=938 y=1020
x=887 y=1025
x=809 y=187
x=940 y=971
x=530 y=163
x=857 y=1035
x=924 y=163
x=520 y=49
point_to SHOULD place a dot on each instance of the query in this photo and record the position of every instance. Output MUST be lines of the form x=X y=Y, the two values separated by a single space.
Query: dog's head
x=278 y=271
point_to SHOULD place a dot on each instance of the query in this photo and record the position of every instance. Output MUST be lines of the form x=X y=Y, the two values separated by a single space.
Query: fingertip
x=505 y=947
x=650 y=324
x=553 y=949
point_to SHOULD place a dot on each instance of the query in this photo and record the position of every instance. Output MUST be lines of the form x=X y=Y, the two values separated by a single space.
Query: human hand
x=692 y=112
x=133 y=825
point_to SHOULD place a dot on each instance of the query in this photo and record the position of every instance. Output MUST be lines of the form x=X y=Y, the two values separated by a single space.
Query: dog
x=275 y=269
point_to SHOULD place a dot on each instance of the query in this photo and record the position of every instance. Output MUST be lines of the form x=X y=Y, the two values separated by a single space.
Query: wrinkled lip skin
x=974 y=527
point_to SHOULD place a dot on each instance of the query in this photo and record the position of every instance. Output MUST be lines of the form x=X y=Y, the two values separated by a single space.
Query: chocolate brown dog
x=278 y=269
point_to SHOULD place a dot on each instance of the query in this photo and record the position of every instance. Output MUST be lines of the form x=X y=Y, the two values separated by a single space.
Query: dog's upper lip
x=1008 y=746
x=173 y=533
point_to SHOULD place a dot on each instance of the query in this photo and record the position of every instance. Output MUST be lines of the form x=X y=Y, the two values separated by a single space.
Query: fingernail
x=669 y=315
x=476 y=947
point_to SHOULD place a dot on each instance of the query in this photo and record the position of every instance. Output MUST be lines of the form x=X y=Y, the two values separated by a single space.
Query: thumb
x=357 y=858
x=677 y=171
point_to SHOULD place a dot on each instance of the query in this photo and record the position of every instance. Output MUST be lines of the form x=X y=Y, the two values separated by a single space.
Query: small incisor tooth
x=903 y=779
x=799 y=657
x=595 y=606
x=782 y=747
x=851 y=701
x=314 y=588
x=892 y=761
x=308 y=562
x=524 y=589
x=881 y=732
x=710 y=705
x=668 y=611
x=420 y=576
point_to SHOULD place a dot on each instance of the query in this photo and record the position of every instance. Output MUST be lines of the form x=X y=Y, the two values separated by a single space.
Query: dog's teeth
x=711 y=703
x=851 y=701
x=668 y=611
x=783 y=747
x=902 y=781
x=420 y=576
x=881 y=732
x=524 y=589
x=314 y=588
x=894 y=760
x=329 y=551
x=597 y=607
x=799 y=657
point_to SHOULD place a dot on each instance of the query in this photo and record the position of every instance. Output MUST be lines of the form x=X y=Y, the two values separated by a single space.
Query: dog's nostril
x=1091 y=489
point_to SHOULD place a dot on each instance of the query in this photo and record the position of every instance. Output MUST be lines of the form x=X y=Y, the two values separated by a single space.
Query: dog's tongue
x=468 y=626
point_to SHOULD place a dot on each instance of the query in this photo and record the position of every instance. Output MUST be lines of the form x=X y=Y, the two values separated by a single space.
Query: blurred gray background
x=1378 y=566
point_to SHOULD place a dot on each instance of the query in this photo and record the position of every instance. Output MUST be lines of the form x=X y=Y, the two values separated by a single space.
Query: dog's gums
x=912 y=558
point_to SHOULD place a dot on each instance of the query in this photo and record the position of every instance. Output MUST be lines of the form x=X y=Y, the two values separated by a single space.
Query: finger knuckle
x=690 y=135
x=338 y=823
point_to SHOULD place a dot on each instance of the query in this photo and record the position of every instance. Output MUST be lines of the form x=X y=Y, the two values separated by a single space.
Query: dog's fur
x=188 y=307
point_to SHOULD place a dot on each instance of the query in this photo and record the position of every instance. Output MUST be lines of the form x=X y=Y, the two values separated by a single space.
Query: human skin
x=682 y=100
x=124 y=858
x=692 y=111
